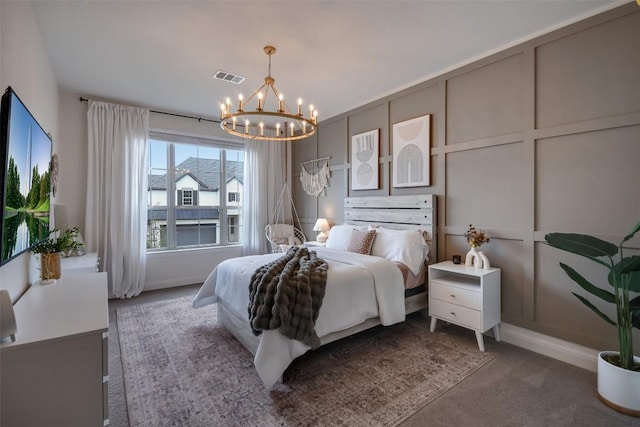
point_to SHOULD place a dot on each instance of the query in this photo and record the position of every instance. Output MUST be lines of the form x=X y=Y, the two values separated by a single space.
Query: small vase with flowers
x=475 y=257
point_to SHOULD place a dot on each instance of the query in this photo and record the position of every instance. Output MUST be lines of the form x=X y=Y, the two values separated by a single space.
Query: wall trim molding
x=565 y=351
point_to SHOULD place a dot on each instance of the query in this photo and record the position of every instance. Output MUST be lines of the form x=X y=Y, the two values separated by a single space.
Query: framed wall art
x=412 y=152
x=364 y=160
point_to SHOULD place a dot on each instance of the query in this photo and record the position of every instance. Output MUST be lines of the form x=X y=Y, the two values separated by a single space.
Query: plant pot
x=50 y=266
x=618 y=388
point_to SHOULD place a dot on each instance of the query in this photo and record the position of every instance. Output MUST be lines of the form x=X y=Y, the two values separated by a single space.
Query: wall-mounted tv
x=25 y=156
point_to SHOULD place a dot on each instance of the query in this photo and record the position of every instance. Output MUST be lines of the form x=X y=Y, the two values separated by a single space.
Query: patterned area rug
x=182 y=369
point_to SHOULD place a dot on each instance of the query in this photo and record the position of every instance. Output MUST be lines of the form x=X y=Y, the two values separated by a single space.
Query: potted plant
x=618 y=372
x=51 y=249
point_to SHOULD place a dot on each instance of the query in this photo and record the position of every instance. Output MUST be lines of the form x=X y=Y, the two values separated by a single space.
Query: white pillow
x=405 y=246
x=339 y=236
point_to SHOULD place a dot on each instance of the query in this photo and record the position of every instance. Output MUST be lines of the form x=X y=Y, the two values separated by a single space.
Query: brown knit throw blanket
x=287 y=293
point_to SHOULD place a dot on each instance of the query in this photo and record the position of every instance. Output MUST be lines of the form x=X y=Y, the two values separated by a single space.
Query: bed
x=375 y=294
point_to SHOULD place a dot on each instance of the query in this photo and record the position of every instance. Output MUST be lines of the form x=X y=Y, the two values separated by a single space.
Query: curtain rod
x=200 y=119
x=316 y=160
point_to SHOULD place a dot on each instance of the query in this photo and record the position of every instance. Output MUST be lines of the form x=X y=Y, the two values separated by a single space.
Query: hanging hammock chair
x=280 y=235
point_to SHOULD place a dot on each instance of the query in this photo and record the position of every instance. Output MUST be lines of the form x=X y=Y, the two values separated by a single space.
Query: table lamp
x=322 y=226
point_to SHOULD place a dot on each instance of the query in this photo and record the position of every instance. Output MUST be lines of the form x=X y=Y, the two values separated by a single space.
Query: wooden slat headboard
x=399 y=212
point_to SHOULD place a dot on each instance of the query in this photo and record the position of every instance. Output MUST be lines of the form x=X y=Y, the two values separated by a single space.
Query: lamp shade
x=321 y=225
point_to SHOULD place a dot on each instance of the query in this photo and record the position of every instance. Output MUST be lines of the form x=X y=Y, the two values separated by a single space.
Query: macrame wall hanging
x=315 y=175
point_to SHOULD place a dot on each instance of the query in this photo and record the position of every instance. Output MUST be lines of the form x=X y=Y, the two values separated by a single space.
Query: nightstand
x=465 y=296
x=314 y=243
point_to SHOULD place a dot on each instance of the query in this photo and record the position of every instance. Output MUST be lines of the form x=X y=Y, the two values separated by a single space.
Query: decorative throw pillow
x=361 y=241
x=339 y=237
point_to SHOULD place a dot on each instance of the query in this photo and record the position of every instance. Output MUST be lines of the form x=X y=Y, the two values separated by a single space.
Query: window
x=187 y=197
x=188 y=178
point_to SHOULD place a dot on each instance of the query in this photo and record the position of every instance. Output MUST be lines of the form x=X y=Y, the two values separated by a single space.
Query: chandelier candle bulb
x=234 y=123
x=299 y=106
x=260 y=101
x=311 y=111
x=277 y=128
x=246 y=126
x=291 y=129
x=239 y=104
x=261 y=129
x=280 y=104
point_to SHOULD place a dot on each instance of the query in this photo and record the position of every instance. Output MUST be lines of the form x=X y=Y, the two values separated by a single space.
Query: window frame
x=186 y=197
x=171 y=139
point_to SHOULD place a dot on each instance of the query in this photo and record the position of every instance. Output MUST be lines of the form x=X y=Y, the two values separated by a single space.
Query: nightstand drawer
x=454 y=313
x=458 y=296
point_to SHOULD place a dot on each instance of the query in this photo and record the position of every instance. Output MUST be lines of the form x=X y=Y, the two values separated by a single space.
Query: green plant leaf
x=635 y=318
x=588 y=286
x=634 y=308
x=595 y=309
x=582 y=244
x=631 y=264
x=631 y=269
x=634 y=231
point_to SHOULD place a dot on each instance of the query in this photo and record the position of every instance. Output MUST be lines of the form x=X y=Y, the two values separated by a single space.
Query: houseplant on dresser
x=52 y=248
x=618 y=372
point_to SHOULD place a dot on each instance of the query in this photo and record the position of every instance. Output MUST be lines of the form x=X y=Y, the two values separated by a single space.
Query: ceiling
x=337 y=55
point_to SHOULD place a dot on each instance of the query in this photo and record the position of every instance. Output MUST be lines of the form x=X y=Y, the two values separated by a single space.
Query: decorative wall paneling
x=543 y=136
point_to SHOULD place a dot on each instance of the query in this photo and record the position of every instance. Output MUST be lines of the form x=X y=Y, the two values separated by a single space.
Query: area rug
x=182 y=369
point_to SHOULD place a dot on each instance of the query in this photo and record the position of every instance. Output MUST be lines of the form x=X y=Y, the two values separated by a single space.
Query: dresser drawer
x=455 y=295
x=456 y=314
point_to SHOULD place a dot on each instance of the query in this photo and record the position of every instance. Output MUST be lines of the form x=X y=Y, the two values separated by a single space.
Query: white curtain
x=265 y=174
x=115 y=225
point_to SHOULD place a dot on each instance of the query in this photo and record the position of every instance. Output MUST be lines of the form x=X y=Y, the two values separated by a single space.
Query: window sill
x=209 y=249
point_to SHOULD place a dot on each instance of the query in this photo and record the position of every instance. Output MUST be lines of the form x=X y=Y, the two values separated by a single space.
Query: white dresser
x=465 y=296
x=87 y=263
x=55 y=373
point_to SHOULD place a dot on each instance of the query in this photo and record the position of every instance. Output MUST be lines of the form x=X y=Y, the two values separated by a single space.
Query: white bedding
x=359 y=287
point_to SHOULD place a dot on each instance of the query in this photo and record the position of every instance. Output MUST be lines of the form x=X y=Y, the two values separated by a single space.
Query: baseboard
x=574 y=354
x=173 y=283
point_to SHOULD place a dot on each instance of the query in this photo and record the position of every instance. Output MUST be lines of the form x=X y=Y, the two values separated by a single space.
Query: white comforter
x=359 y=287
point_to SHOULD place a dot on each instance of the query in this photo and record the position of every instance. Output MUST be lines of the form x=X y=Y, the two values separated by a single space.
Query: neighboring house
x=198 y=206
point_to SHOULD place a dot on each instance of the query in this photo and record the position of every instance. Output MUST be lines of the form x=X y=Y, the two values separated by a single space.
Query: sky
x=21 y=123
x=158 y=154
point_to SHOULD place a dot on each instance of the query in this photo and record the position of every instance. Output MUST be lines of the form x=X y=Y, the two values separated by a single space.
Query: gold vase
x=50 y=266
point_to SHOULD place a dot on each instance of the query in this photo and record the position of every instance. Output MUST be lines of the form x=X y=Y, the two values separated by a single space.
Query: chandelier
x=269 y=119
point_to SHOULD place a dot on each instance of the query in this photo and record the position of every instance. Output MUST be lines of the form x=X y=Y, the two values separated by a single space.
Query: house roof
x=205 y=171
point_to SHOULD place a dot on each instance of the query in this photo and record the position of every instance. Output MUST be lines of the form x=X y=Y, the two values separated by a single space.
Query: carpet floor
x=182 y=368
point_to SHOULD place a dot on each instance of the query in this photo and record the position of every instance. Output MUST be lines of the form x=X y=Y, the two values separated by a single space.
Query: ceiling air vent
x=228 y=77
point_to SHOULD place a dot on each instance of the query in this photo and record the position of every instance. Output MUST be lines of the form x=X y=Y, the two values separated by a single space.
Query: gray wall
x=539 y=138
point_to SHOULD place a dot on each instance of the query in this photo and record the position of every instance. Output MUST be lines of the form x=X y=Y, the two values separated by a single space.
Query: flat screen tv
x=25 y=157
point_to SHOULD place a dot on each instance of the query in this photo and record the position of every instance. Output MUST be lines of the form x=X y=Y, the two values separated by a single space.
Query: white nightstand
x=314 y=243
x=465 y=296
